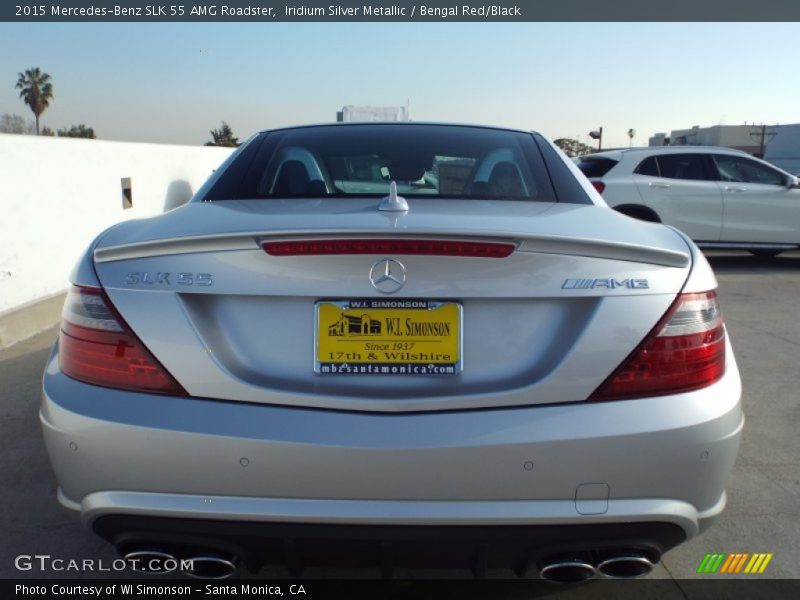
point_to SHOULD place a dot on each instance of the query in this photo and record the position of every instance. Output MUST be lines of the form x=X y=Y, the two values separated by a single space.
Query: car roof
x=643 y=151
x=617 y=154
x=399 y=124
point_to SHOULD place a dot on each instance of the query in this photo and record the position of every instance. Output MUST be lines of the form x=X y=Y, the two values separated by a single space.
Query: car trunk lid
x=547 y=323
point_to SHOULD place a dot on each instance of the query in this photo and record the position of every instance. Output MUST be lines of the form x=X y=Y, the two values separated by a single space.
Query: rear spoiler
x=529 y=243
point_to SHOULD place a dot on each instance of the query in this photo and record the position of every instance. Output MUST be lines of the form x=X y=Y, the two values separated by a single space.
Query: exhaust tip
x=567 y=571
x=210 y=567
x=625 y=567
x=151 y=562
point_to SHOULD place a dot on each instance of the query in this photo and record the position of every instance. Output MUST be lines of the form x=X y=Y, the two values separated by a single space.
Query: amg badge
x=611 y=284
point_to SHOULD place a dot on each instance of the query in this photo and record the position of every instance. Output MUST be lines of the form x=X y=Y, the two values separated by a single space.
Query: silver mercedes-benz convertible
x=394 y=345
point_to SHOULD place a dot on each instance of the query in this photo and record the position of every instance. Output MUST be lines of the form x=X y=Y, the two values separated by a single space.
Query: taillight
x=389 y=246
x=684 y=352
x=96 y=346
x=599 y=186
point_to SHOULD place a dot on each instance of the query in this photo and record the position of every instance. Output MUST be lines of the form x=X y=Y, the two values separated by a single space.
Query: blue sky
x=171 y=83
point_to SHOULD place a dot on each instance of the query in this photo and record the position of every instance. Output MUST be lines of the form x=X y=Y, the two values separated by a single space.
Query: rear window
x=425 y=161
x=596 y=166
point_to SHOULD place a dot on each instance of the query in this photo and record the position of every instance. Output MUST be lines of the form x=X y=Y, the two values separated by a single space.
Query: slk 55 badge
x=167 y=278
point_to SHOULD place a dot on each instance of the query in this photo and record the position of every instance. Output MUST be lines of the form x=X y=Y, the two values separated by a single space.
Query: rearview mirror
x=793 y=181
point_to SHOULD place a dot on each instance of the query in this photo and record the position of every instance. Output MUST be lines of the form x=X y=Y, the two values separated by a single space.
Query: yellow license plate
x=388 y=337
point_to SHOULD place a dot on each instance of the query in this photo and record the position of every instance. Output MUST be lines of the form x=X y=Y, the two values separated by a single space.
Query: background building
x=741 y=137
x=778 y=144
x=783 y=148
x=352 y=113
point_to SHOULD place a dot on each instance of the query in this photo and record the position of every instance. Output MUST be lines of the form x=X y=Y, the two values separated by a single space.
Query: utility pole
x=762 y=139
x=597 y=135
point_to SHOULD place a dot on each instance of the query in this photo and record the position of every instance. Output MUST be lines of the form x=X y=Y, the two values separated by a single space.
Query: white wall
x=57 y=194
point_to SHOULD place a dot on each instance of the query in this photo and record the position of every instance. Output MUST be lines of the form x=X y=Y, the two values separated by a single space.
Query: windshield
x=425 y=161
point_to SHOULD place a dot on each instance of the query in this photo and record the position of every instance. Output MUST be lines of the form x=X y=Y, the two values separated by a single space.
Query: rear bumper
x=387 y=547
x=659 y=460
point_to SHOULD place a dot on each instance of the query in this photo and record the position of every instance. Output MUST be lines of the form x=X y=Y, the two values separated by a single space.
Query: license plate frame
x=424 y=361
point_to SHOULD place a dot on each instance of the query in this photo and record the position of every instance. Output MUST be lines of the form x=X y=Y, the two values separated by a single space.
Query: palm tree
x=36 y=90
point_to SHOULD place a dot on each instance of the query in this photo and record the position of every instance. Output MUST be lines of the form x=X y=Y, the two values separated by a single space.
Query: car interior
x=299 y=172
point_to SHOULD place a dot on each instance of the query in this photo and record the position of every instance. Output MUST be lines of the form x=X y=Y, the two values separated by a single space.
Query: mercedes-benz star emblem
x=387 y=275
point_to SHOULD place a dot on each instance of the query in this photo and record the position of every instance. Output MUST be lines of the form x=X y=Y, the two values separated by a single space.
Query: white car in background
x=721 y=198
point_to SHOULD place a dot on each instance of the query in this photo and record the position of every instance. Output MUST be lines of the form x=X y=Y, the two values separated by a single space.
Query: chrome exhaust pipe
x=151 y=562
x=210 y=567
x=567 y=571
x=629 y=566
